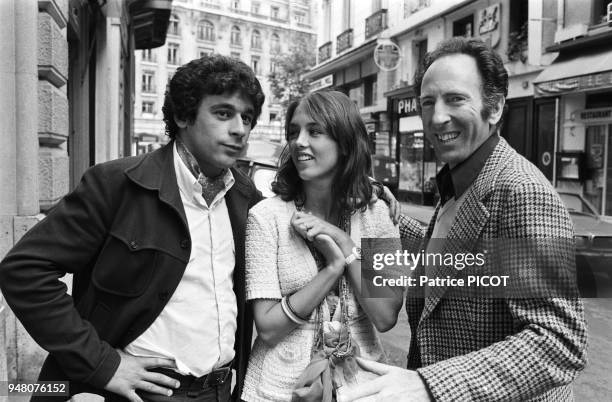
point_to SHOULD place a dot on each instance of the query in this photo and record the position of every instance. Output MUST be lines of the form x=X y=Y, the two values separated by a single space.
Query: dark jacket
x=124 y=235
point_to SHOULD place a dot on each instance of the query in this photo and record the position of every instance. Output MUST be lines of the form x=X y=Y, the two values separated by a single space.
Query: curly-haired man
x=156 y=246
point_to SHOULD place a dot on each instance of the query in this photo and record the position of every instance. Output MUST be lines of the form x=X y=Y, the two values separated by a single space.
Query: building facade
x=254 y=31
x=579 y=82
x=67 y=105
x=374 y=53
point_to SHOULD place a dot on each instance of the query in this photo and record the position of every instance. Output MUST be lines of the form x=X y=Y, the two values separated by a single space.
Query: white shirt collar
x=189 y=185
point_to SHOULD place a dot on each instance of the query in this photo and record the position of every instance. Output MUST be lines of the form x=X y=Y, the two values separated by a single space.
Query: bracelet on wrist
x=290 y=313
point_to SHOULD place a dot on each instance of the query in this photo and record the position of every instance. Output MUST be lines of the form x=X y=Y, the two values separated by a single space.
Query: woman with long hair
x=303 y=268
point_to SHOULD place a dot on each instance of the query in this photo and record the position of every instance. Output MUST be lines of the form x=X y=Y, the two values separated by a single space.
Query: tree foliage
x=286 y=81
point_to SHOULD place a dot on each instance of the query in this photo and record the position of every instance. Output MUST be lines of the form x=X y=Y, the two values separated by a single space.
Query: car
x=260 y=163
x=593 y=235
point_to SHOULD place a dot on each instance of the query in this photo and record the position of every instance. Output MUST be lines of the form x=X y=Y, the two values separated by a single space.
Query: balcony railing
x=258 y=15
x=344 y=41
x=238 y=11
x=210 y=4
x=376 y=23
x=325 y=52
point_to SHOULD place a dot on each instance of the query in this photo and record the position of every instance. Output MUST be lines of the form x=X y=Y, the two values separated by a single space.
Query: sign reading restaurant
x=601 y=115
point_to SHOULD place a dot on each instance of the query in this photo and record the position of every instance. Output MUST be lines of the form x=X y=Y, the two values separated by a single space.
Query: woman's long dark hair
x=339 y=117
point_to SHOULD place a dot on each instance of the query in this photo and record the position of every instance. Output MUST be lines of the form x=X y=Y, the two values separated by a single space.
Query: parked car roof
x=260 y=163
x=587 y=222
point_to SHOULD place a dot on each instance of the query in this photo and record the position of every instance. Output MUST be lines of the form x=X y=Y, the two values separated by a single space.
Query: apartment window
x=272 y=67
x=256 y=40
x=275 y=43
x=173 y=53
x=204 y=52
x=235 y=3
x=519 y=15
x=300 y=17
x=464 y=27
x=600 y=11
x=369 y=91
x=407 y=8
x=346 y=14
x=275 y=12
x=255 y=64
x=148 y=107
x=326 y=21
x=173 y=26
x=235 y=55
x=206 y=30
x=255 y=8
x=147 y=55
x=148 y=81
x=420 y=50
x=235 y=38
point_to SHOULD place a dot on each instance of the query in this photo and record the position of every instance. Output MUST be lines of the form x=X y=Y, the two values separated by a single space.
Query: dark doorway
x=517 y=128
x=545 y=111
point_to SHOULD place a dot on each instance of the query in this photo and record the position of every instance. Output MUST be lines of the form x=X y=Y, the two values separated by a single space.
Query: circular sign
x=387 y=55
x=546 y=158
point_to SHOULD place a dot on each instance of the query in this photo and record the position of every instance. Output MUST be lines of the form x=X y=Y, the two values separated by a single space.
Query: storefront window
x=418 y=167
x=411 y=162
x=595 y=185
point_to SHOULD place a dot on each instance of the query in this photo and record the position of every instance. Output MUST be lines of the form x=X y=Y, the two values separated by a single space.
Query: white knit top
x=279 y=263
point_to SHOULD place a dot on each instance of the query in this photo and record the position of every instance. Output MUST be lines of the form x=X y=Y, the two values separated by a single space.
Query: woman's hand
x=327 y=238
x=309 y=227
x=332 y=253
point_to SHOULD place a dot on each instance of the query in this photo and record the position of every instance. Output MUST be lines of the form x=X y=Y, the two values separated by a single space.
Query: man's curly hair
x=209 y=75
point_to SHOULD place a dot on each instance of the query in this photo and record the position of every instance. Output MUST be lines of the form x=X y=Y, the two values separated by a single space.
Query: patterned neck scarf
x=211 y=186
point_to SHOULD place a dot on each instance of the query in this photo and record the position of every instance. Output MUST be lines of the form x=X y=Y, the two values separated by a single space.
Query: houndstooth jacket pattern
x=487 y=349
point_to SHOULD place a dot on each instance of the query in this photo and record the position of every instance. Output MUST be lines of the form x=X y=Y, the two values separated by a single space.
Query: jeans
x=215 y=393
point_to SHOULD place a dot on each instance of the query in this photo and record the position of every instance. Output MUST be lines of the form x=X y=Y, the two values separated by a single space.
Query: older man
x=484 y=348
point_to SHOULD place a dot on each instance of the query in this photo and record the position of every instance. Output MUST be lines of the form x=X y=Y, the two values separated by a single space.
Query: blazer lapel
x=472 y=216
x=464 y=232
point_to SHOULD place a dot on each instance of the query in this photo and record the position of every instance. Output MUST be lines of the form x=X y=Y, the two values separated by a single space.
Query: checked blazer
x=500 y=349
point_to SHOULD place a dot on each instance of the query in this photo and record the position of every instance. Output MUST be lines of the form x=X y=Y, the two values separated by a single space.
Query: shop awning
x=576 y=73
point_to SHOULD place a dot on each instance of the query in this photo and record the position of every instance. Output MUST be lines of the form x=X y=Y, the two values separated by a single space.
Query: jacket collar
x=155 y=171
x=454 y=182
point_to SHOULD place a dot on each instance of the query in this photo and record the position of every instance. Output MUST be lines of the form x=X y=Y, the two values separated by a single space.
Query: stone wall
x=53 y=166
